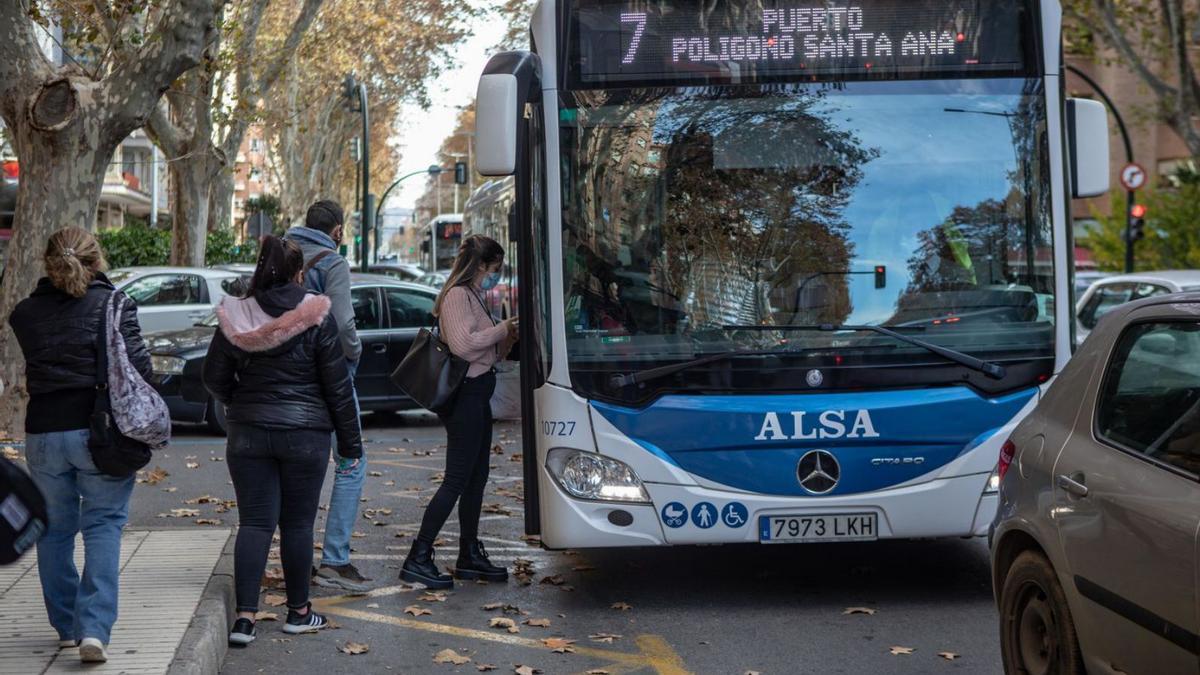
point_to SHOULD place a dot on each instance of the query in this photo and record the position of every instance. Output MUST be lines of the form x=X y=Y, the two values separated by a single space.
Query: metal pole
x=1130 y=195
x=367 y=218
x=153 y=185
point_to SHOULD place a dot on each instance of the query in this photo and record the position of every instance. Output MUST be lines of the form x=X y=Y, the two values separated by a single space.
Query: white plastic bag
x=506 y=401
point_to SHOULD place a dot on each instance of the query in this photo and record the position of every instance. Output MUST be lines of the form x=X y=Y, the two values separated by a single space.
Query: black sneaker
x=346 y=577
x=242 y=633
x=304 y=623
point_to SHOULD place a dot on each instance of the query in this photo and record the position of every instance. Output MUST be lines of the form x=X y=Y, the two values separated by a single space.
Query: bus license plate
x=826 y=527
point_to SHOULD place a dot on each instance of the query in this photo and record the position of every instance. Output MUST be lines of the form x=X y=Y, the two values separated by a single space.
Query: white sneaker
x=92 y=650
x=67 y=644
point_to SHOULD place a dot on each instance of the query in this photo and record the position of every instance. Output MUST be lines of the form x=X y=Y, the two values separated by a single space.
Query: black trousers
x=468 y=448
x=277 y=476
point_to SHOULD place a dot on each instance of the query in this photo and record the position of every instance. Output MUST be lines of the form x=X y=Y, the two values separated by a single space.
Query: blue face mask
x=490 y=281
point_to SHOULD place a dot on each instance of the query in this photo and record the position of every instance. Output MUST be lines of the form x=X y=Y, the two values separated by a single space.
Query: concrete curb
x=204 y=644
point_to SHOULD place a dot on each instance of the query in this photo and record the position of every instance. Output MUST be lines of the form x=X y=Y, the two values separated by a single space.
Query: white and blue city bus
x=790 y=270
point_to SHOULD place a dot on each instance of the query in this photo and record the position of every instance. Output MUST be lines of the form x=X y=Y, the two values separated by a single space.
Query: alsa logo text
x=807 y=426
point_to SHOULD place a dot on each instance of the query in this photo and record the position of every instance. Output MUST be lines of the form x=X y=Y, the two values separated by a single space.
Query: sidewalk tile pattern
x=163 y=574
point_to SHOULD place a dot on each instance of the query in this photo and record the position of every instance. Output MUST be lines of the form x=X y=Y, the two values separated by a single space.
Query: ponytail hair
x=73 y=257
x=475 y=253
x=279 y=262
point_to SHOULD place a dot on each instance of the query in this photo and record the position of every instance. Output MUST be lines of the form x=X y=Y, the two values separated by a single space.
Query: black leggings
x=468 y=447
x=277 y=476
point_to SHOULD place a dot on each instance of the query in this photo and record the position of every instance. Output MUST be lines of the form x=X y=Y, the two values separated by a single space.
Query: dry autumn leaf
x=10 y=453
x=949 y=656
x=266 y=616
x=274 y=600
x=559 y=645
x=492 y=605
x=597 y=671
x=353 y=648
x=193 y=465
x=901 y=651
x=504 y=622
x=622 y=606
x=154 y=476
x=859 y=610
x=526 y=670
x=607 y=638
x=180 y=513
x=554 y=580
x=202 y=499
x=539 y=623
x=432 y=596
x=208 y=521
x=417 y=610
x=450 y=656
x=484 y=667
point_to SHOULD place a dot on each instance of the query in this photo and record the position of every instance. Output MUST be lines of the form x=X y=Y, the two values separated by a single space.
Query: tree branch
x=1116 y=35
x=22 y=64
x=164 y=133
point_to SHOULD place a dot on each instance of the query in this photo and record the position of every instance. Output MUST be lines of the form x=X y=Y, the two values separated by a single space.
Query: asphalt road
x=727 y=609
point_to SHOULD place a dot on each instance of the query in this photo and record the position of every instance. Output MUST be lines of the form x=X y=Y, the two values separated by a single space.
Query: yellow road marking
x=653 y=650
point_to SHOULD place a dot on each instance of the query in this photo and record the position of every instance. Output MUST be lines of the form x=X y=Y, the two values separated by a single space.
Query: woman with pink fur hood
x=277 y=365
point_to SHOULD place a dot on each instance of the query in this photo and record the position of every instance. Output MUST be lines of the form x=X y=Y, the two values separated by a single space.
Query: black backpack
x=23 y=517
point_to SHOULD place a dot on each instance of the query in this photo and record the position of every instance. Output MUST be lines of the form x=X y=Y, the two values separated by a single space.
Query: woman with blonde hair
x=476 y=337
x=58 y=327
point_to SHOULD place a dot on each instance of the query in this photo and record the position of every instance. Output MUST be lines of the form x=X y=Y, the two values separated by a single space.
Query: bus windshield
x=921 y=206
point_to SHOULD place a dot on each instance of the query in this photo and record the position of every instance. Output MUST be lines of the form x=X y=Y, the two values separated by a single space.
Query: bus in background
x=439 y=242
x=489 y=211
x=789 y=272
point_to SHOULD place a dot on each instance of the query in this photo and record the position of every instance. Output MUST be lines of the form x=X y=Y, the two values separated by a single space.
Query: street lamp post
x=433 y=170
x=356 y=92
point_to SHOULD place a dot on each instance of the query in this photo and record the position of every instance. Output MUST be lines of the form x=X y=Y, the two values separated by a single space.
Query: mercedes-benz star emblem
x=818 y=472
x=814 y=378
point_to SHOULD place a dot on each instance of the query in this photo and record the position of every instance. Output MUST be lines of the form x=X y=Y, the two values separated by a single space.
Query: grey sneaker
x=346 y=577
x=92 y=650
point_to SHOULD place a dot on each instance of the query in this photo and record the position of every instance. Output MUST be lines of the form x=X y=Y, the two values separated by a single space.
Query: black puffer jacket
x=276 y=363
x=57 y=333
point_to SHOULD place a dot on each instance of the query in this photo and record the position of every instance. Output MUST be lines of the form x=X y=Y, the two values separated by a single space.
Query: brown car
x=1094 y=546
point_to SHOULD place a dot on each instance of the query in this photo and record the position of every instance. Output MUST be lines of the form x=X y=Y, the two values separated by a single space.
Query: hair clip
x=68 y=253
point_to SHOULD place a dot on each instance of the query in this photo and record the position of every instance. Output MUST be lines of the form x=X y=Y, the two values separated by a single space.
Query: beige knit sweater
x=469 y=331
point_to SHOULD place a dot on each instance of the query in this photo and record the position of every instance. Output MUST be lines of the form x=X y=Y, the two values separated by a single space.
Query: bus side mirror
x=496 y=125
x=1087 y=128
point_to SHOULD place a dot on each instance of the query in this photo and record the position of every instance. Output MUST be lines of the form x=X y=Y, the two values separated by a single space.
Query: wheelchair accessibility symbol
x=734 y=515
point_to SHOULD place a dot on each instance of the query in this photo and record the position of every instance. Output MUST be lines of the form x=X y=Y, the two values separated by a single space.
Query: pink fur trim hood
x=250 y=329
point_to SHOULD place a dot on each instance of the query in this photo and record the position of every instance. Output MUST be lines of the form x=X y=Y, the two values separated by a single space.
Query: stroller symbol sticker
x=675 y=514
x=734 y=515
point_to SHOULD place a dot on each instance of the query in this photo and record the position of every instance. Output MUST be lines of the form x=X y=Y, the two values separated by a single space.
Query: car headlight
x=993 y=482
x=587 y=475
x=166 y=365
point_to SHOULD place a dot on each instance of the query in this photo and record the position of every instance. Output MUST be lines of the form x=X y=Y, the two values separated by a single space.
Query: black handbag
x=23 y=517
x=430 y=374
x=113 y=453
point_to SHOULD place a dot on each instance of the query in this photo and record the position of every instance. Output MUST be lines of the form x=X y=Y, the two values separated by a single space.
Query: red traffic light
x=1138 y=211
x=10 y=169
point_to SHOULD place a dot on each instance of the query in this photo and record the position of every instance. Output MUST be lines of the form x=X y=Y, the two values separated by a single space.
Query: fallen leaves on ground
x=752 y=672
x=498 y=509
x=491 y=605
x=180 y=513
x=353 y=648
x=273 y=577
x=554 y=580
x=606 y=638
x=432 y=596
x=170 y=489
x=485 y=667
x=274 y=600
x=559 y=645
x=538 y=623
x=193 y=465
x=450 y=656
x=505 y=623
x=622 y=606
x=597 y=671
x=203 y=499
x=859 y=610
x=901 y=651
x=417 y=610
x=949 y=656
x=376 y=474
x=526 y=670
x=152 y=477
x=208 y=521
x=266 y=616
x=583 y=568
x=10 y=453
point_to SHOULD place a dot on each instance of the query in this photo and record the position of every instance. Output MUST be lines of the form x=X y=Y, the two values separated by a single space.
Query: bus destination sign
x=656 y=42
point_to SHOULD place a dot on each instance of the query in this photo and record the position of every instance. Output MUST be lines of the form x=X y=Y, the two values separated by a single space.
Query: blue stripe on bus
x=917 y=432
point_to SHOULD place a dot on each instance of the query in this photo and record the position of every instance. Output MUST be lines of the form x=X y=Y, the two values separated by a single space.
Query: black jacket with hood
x=57 y=333
x=276 y=363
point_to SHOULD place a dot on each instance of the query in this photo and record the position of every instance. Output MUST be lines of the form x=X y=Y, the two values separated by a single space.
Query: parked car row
x=387 y=313
x=1094 y=546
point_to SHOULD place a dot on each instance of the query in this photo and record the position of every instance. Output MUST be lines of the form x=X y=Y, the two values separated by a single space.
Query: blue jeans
x=78 y=498
x=343 y=504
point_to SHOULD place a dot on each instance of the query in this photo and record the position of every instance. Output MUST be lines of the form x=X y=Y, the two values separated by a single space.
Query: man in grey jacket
x=327 y=272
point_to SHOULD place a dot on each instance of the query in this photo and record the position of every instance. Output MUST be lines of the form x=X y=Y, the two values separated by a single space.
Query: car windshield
x=117 y=277
x=913 y=205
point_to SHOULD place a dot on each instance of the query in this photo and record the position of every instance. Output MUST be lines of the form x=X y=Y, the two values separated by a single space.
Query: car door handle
x=1073 y=484
x=379 y=348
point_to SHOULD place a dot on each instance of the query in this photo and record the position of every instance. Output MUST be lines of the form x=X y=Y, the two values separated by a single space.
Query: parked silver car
x=175 y=298
x=1094 y=546
x=1109 y=292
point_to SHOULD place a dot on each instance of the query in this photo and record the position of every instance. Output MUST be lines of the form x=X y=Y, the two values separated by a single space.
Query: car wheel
x=215 y=417
x=1037 y=635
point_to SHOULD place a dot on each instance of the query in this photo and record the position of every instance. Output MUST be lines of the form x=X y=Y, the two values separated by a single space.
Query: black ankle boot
x=473 y=563
x=419 y=568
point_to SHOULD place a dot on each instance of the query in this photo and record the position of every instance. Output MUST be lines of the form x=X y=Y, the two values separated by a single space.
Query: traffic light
x=460 y=173
x=1137 y=222
x=880 y=276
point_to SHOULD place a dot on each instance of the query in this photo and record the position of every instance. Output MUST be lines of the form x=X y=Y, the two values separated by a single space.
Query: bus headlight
x=166 y=365
x=587 y=475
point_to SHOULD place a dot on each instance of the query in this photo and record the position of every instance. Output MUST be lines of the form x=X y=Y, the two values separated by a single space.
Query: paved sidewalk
x=163 y=574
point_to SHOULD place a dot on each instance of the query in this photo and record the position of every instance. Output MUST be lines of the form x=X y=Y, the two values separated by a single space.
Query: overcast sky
x=421 y=131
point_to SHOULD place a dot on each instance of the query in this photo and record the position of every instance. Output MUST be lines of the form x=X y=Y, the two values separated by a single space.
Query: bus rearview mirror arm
x=509 y=81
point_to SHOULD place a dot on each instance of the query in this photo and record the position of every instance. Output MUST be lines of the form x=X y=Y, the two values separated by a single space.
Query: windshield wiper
x=648 y=374
x=992 y=370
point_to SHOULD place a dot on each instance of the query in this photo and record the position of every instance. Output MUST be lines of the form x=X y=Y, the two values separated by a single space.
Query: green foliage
x=1172 y=229
x=136 y=245
x=223 y=249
